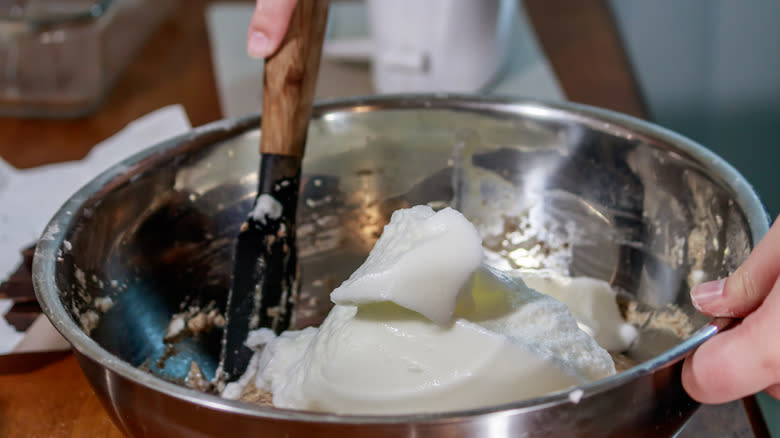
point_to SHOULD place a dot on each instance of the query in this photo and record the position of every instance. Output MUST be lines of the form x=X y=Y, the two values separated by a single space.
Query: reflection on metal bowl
x=551 y=186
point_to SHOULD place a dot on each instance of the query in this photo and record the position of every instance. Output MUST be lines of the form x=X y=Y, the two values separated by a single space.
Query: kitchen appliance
x=431 y=46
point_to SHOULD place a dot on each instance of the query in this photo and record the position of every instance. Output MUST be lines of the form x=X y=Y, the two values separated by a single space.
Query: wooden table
x=175 y=67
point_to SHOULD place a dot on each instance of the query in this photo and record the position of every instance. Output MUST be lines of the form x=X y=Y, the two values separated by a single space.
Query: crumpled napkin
x=30 y=197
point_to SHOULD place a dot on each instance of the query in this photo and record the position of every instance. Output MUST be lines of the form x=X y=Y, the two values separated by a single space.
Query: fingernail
x=258 y=45
x=706 y=293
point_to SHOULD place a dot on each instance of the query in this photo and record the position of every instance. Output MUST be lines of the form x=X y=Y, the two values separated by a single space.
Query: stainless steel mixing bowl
x=554 y=186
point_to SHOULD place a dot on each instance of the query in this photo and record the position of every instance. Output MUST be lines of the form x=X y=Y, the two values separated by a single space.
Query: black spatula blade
x=265 y=274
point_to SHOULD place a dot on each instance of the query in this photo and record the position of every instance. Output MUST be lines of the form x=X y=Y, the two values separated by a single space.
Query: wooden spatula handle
x=289 y=78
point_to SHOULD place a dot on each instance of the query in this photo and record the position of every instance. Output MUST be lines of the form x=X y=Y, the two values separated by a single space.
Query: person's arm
x=268 y=26
x=745 y=359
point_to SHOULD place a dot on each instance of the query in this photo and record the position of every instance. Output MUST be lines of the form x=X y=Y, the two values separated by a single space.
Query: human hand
x=268 y=26
x=745 y=359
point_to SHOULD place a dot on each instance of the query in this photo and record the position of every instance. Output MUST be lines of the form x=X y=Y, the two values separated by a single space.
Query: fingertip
x=691 y=382
x=708 y=297
x=268 y=26
x=258 y=45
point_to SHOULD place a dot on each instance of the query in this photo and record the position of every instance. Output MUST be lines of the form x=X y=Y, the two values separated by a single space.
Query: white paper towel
x=30 y=197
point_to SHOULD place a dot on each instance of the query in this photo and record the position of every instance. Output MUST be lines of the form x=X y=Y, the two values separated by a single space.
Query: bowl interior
x=571 y=190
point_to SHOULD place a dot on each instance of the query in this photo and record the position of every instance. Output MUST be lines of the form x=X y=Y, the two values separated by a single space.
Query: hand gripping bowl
x=556 y=186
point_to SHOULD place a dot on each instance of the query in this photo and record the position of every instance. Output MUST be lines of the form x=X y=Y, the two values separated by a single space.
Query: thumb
x=744 y=290
x=268 y=25
x=740 y=361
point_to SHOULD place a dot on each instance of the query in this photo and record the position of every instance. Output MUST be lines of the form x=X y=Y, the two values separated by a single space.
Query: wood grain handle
x=289 y=78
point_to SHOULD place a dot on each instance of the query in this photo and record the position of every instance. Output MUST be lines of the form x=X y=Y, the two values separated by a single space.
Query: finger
x=746 y=288
x=773 y=391
x=738 y=362
x=268 y=25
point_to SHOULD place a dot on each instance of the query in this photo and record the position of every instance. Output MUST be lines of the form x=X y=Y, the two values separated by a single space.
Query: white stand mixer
x=431 y=45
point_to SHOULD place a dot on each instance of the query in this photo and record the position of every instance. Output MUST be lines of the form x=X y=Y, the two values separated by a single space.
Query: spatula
x=265 y=273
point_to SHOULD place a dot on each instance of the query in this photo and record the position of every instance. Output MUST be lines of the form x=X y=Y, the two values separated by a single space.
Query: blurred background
x=709 y=69
x=704 y=68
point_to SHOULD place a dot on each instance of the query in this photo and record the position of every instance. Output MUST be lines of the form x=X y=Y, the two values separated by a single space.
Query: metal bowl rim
x=47 y=292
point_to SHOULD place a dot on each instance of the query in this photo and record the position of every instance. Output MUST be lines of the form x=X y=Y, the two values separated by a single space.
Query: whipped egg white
x=424 y=326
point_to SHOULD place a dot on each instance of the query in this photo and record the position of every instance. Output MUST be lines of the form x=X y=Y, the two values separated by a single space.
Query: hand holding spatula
x=265 y=274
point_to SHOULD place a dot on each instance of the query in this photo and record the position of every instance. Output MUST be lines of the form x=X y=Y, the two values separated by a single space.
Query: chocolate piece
x=19 y=288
